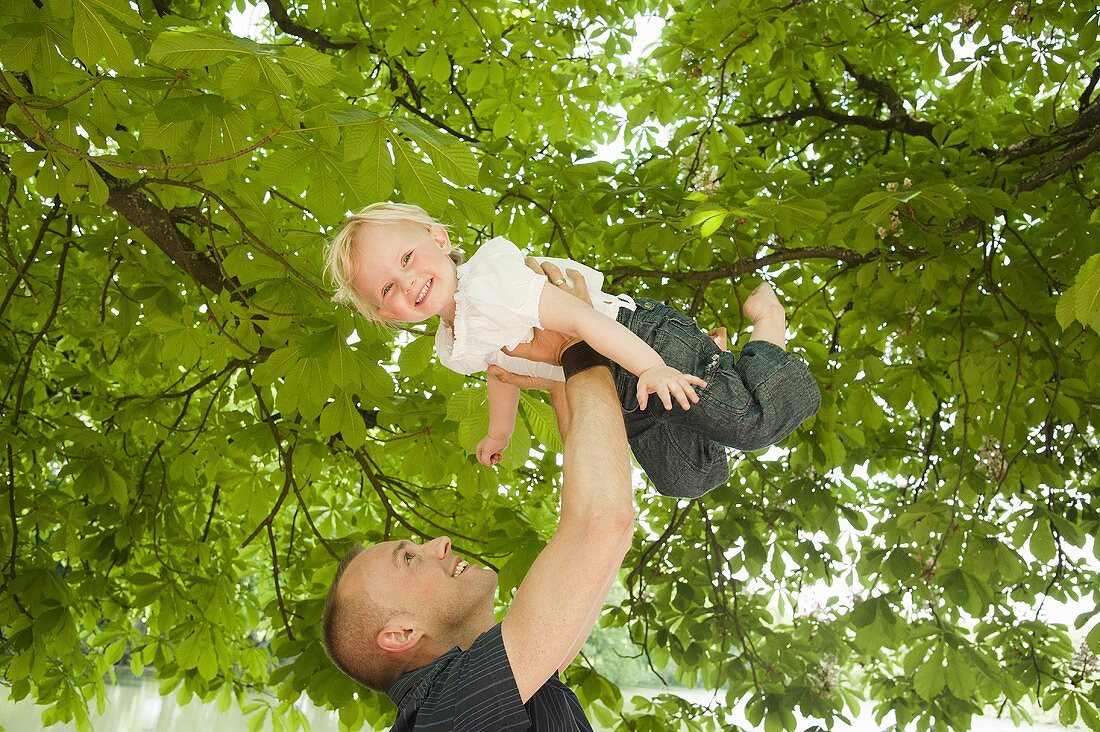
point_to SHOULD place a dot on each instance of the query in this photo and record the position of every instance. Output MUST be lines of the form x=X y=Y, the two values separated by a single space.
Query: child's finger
x=691 y=395
x=666 y=398
x=643 y=396
x=679 y=392
x=695 y=381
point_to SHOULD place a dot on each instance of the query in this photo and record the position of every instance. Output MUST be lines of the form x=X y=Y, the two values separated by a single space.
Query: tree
x=192 y=436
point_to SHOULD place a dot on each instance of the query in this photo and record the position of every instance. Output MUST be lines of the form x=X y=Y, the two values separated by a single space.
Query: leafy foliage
x=190 y=439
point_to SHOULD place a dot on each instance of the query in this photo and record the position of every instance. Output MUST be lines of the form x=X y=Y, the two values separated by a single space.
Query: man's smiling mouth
x=460 y=568
x=424 y=291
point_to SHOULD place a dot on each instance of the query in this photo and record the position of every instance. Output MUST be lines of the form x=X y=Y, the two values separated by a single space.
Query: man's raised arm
x=558 y=602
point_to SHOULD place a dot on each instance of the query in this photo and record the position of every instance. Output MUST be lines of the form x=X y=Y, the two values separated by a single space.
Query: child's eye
x=405 y=259
x=386 y=289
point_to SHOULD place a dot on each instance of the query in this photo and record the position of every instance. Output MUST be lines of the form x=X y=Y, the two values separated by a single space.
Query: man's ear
x=442 y=238
x=400 y=635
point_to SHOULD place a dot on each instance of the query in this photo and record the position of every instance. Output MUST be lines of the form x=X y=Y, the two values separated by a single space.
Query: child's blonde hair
x=340 y=261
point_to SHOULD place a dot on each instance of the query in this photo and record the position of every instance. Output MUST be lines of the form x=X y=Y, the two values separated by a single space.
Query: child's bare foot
x=720 y=337
x=769 y=320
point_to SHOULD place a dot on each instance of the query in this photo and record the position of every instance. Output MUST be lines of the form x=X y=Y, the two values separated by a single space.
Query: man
x=416 y=620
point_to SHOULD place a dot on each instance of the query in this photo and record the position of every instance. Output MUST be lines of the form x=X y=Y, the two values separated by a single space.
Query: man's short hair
x=349 y=626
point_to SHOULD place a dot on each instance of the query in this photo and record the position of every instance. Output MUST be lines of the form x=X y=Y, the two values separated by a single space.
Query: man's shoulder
x=432 y=673
x=471 y=689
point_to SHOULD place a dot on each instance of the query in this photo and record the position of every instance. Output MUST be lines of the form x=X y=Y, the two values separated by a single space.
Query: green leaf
x=240 y=78
x=930 y=678
x=18 y=52
x=872 y=199
x=542 y=420
x=118 y=11
x=97 y=189
x=1089 y=715
x=1067 y=712
x=1087 y=299
x=1066 y=309
x=451 y=158
x=376 y=171
x=416 y=356
x=310 y=66
x=1093 y=638
x=417 y=182
x=94 y=38
x=464 y=403
x=342 y=415
x=711 y=224
x=190 y=48
x=1042 y=542
x=25 y=164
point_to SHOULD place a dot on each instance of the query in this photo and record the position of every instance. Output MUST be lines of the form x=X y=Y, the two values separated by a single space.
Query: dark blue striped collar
x=420 y=680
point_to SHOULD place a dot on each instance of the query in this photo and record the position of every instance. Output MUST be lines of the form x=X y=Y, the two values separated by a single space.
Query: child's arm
x=561 y=312
x=503 y=403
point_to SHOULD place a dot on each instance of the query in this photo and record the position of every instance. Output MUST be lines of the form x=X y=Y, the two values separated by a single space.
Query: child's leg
x=750 y=402
x=679 y=463
x=769 y=319
x=720 y=337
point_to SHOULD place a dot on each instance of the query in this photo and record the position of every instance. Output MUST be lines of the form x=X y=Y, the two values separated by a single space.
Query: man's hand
x=548 y=346
x=668 y=384
x=518 y=381
x=578 y=289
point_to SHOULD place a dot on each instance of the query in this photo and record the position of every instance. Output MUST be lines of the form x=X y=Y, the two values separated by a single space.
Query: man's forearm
x=561 y=407
x=596 y=462
x=559 y=600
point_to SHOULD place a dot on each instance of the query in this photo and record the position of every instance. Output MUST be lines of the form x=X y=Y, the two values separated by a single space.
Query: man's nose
x=442 y=546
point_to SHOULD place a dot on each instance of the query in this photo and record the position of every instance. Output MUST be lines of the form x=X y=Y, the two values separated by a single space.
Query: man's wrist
x=580 y=357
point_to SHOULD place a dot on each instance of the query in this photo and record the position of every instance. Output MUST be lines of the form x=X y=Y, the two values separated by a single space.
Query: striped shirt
x=475 y=691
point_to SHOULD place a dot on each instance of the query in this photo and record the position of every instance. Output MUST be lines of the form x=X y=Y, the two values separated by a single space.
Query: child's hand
x=668 y=384
x=490 y=449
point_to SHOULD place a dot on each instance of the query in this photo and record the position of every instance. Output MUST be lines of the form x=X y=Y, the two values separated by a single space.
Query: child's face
x=404 y=270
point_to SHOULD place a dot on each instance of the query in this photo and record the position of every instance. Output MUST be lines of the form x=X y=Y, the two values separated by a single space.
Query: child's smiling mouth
x=424 y=291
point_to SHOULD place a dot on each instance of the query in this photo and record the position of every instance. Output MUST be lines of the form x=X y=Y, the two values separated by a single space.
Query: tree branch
x=309 y=35
x=1086 y=96
x=320 y=40
x=751 y=265
x=20 y=276
x=1059 y=166
x=905 y=125
x=275 y=578
x=157 y=224
x=880 y=89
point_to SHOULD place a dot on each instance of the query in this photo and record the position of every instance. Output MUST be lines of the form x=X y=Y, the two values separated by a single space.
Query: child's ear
x=442 y=238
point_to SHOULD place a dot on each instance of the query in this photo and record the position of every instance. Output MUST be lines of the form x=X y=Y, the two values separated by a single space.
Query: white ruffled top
x=497 y=305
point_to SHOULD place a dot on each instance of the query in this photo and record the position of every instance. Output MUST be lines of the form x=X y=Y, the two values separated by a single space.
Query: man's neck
x=434 y=645
x=466 y=637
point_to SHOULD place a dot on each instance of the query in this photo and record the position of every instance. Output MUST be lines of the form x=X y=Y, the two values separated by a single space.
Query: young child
x=395 y=263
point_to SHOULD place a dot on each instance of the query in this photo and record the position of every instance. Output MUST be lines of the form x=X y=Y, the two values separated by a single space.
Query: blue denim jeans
x=748 y=404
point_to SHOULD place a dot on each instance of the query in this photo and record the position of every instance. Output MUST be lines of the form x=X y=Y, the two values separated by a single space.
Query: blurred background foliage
x=192 y=432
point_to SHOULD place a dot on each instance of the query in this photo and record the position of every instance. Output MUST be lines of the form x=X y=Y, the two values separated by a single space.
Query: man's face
x=428 y=582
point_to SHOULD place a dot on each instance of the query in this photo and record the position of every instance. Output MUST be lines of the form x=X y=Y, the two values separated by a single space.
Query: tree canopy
x=192 y=435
